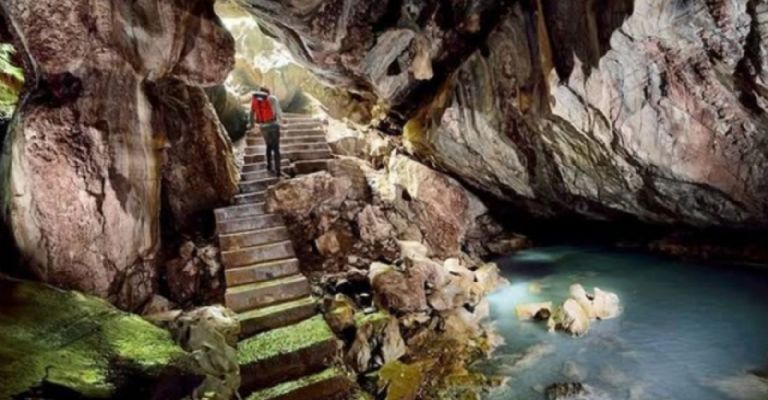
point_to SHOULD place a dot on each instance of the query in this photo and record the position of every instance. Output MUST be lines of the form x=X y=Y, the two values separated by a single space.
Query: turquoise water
x=688 y=330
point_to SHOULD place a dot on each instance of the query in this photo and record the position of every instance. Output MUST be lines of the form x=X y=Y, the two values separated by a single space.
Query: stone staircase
x=286 y=349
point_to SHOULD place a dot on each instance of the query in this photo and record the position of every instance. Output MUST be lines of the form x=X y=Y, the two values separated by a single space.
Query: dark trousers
x=271 y=133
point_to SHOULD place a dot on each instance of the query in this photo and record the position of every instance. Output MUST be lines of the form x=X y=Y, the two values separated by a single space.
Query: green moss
x=289 y=387
x=363 y=319
x=402 y=381
x=284 y=340
x=132 y=338
x=73 y=341
x=11 y=81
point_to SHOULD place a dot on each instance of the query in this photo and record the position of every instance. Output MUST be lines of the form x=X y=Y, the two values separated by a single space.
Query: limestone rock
x=156 y=305
x=398 y=292
x=606 y=305
x=299 y=196
x=571 y=318
x=644 y=109
x=199 y=173
x=551 y=123
x=377 y=342
x=600 y=305
x=82 y=166
x=56 y=342
x=193 y=277
x=211 y=335
x=526 y=312
x=442 y=208
x=340 y=314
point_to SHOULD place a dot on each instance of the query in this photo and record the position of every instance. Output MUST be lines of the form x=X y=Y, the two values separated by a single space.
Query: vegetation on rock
x=54 y=342
x=11 y=81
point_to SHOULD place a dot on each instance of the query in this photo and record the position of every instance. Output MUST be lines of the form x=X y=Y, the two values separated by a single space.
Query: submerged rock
x=57 y=344
x=565 y=391
x=741 y=387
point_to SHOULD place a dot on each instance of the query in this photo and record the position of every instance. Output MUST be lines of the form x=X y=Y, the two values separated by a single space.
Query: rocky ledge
x=61 y=345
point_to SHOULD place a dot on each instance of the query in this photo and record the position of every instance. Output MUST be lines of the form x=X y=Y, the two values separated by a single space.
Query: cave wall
x=648 y=109
x=82 y=165
x=663 y=118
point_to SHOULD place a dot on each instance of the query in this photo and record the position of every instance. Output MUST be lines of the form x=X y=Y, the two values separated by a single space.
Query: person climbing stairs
x=286 y=349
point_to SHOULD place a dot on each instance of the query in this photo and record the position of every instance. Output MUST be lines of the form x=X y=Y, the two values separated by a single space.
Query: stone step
x=262 y=165
x=286 y=148
x=298 y=125
x=312 y=138
x=250 y=223
x=257 y=237
x=261 y=272
x=276 y=316
x=311 y=166
x=293 y=156
x=286 y=354
x=255 y=295
x=258 y=185
x=329 y=384
x=250 y=198
x=257 y=254
x=299 y=118
x=291 y=134
x=255 y=175
x=237 y=212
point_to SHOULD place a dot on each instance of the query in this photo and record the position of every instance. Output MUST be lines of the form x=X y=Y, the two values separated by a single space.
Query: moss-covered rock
x=11 y=81
x=61 y=344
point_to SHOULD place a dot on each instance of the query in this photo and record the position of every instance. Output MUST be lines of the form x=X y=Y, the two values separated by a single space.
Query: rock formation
x=385 y=248
x=83 y=163
x=57 y=344
x=649 y=109
x=575 y=315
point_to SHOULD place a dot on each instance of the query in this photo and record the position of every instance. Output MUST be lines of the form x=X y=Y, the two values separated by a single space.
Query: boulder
x=298 y=197
x=606 y=305
x=529 y=311
x=600 y=305
x=377 y=341
x=156 y=305
x=210 y=334
x=340 y=313
x=566 y=391
x=194 y=275
x=571 y=318
x=442 y=209
x=63 y=344
x=396 y=291
x=334 y=242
